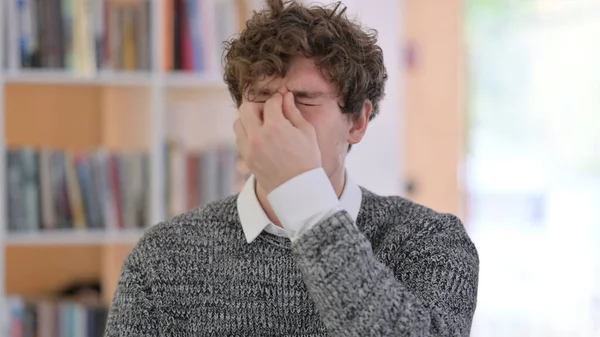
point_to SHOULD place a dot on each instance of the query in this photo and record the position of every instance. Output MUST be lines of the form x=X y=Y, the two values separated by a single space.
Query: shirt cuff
x=303 y=201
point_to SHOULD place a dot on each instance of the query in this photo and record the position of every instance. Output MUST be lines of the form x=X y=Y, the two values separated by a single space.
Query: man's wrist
x=298 y=201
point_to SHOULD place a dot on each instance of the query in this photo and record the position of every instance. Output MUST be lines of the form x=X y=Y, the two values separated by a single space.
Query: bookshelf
x=117 y=102
x=74 y=238
x=139 y=110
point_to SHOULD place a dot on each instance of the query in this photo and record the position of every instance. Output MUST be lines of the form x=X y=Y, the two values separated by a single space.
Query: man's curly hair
x=346 y=54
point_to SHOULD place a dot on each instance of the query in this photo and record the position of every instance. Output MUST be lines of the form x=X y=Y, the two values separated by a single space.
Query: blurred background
x=114 y=117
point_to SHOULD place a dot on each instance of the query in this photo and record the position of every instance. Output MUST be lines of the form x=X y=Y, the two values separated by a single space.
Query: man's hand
x=278 y=146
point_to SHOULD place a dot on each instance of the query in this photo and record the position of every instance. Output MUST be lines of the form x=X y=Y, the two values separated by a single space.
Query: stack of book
x=52 y=189
x=47 y=318
x=82 y=36
x=195 y=31
x=195 y=178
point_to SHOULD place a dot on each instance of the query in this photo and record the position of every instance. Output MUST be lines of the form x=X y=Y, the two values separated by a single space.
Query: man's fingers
x=241 y=137
x=250 y=116
x=291 y=112
x=273 y=109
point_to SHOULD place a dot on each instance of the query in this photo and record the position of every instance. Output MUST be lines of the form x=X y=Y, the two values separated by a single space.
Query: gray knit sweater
x=400 y=270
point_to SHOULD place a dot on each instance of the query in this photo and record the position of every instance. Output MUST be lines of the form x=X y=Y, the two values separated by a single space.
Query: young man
x=302 y=250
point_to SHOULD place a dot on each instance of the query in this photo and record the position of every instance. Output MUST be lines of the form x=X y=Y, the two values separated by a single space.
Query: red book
x=187 y=56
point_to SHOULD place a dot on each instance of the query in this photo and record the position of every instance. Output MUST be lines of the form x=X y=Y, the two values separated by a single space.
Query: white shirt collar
x=254 y=219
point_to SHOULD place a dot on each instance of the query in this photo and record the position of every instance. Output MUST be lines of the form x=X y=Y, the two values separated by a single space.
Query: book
x=194 y=32
x=195 y=178
x=54 y=318
x=50 y=190
x=81 y=36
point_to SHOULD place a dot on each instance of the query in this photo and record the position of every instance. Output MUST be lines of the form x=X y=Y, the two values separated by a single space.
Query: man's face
x=317 y=99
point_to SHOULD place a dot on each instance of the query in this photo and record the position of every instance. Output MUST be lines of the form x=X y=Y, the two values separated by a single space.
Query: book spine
x=16 y=311
x=30 y=320
x=192 y=181
x=208 y=27
x=114 y=36
x=59 y=48
x=47 y=202
x=177 y=181
x=126 y=181
x=51 y=34
x=169 y=31
x=142 y=30
x=115 y=187
x=95 y=192
x=30 y=186
x=74 y=192
x=83 y=179
x=186 y=36
x=138 y=189
x=99 y=181
x=210 y=167
x=193 y=11
x=227 y=171
x=127 y=18
x=25 y=32
x=108 y=200
x=12 y=38
x=36 y=14
x=177 y=34
x=14 y=191
x=98 y=10
x=67 y=28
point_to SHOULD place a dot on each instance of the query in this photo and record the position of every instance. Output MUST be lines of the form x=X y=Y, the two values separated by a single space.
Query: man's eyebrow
x=308 y=94
x=260 y=91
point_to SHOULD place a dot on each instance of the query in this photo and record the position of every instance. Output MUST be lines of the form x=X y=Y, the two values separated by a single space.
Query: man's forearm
x=357 y=295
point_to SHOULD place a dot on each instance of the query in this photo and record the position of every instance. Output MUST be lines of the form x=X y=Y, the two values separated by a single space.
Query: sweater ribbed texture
x=400 y=270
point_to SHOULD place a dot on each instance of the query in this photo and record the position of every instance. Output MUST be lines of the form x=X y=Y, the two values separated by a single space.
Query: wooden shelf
x=73 y=238
x=62 y=77
x=105 y=78
x=193 y=80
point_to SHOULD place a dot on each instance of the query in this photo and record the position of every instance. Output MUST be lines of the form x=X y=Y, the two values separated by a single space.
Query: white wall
x=375 y=163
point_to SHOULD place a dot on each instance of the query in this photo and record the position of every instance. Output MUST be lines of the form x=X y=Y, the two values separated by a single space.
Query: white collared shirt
x=299 y=204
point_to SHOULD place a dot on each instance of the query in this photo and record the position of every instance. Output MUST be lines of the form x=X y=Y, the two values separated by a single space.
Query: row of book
x=79 y=35
x=85 y=36
x=195 y=178
x=53 y=189
x=196 y=29
x=62 y=190
x=49 y=318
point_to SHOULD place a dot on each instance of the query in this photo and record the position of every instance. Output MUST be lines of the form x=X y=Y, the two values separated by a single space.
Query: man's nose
x=283 y=90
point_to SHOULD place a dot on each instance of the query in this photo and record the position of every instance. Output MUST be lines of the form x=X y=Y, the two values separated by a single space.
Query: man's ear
x=360 y=123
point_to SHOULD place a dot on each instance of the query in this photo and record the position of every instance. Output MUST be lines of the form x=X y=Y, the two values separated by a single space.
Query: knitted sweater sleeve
x=427 y=288
x=131 y=312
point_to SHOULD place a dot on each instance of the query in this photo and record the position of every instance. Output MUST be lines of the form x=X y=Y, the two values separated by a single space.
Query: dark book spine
x=16 y=220
x=178 y=34
x=38 y=51
x=52 y=42
x=59 y=49
x=59 y=190
x=30 y=320
x=31 y=190
x=96 y=190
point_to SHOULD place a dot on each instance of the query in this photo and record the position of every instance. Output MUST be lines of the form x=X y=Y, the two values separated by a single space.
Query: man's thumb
x=291 y=112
